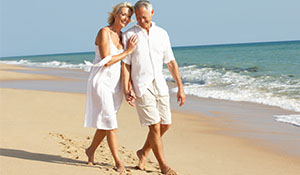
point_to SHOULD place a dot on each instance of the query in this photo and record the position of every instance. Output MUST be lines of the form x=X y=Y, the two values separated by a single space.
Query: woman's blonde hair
x=116 y=10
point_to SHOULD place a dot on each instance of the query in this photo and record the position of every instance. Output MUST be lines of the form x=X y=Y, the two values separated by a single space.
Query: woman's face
x=123 y=17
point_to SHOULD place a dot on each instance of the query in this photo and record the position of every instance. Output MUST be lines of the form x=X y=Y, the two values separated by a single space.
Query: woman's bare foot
x=90 y=157
x=142 y=160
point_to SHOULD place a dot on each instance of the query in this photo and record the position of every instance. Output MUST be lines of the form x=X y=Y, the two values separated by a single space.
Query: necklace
x=114 y=31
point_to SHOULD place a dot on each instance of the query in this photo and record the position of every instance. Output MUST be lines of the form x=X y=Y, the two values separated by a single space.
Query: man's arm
x=127 y=88
x=173 y=68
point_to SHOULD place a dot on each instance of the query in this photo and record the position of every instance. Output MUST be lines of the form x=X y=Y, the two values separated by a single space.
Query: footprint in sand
x=74 y=148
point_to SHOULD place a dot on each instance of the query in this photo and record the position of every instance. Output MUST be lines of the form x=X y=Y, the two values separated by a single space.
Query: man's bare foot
x=120 y=168
x=170 y=171
x=142 y=160
x=90 y=157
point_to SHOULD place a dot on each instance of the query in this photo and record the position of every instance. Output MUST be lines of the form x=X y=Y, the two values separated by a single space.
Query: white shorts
x=153 y=108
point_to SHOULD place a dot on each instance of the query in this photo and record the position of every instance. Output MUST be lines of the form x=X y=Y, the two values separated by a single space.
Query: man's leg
x=156 y=144
x=144 y=152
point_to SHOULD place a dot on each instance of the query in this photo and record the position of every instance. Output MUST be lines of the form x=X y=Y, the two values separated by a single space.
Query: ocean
x=264 y=73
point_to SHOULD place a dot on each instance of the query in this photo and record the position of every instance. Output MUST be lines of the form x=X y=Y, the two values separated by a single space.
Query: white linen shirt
x=147 y=59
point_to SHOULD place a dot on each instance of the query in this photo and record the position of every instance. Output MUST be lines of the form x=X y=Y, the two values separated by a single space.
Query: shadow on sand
x=20 y=154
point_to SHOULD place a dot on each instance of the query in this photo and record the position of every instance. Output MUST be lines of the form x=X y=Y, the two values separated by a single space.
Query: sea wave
x=291 y=119
x=220 y=83
x=50 y=64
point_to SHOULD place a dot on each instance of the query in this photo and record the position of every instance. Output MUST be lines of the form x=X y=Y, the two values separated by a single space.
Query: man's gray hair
x=145 y=4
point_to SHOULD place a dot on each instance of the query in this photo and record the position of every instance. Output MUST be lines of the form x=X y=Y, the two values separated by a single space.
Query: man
x=143 y=67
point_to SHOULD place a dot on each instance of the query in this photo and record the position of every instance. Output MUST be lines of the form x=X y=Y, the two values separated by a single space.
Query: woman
x=104 y=92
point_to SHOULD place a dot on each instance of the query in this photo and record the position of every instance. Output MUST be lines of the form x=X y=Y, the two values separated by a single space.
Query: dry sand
x=42 y=133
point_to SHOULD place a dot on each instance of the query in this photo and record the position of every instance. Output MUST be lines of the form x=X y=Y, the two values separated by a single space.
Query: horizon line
x=206 y=45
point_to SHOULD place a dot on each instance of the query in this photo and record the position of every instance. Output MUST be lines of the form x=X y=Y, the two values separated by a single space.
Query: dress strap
x=109 y=35
x=111 y=41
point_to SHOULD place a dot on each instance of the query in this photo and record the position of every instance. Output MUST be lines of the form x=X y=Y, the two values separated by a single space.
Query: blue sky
x=35 y=27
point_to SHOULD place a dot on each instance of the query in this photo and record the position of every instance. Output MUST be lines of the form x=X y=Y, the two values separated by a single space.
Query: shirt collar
x=152 y=25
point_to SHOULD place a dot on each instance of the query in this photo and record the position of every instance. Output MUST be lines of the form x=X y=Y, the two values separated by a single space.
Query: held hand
x=130 y=98
x=180 y=98
x=132 y=42
x=132 y=94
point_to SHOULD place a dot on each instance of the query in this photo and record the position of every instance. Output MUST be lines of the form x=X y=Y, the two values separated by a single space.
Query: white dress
x=104 y=92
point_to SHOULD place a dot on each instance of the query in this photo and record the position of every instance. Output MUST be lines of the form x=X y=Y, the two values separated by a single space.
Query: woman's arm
x=102 y=41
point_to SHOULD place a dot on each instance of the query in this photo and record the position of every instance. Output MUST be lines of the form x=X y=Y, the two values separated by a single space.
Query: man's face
x=144 y=17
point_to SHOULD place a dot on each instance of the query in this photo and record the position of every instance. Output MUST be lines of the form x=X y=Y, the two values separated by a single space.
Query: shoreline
x=210 y=139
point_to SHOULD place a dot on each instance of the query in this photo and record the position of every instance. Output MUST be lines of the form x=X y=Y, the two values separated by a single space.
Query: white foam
x=227 y=85
x=291 y=119
x=50 y=64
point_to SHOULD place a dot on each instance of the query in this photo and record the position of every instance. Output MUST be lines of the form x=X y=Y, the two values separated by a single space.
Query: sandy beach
x=42 y=133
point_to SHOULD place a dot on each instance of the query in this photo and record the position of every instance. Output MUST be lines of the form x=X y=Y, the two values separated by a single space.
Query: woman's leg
x=113 y=146
x=90 y=151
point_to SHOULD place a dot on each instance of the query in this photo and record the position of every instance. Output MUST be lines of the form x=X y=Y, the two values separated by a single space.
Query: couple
x=143 y=49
